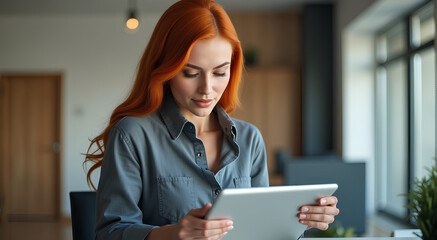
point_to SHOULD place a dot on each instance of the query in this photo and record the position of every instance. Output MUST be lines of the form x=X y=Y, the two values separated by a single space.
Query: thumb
x=200 y=212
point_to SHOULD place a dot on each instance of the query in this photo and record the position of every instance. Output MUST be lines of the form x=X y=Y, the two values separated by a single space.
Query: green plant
x=250 y=56
x=423 y=205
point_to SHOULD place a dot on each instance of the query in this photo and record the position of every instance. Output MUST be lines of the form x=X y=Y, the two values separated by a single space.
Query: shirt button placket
x=199 y=155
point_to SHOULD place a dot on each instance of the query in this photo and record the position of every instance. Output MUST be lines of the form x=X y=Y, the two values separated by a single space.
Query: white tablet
x=268 y=212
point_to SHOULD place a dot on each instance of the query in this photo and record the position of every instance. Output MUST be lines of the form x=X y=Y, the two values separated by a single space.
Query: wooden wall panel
x=275 y=36
x=270 y=99
x=271 y=93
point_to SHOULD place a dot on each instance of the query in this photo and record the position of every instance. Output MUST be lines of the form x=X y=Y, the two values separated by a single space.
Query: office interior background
x=328 y=82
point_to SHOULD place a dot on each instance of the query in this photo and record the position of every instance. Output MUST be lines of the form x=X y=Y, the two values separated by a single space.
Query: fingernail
x=230 y=223
x=301 y=221
x=303 y=216
x=305 y=209
x=230 y=228
x=225 y=233
x=323 y=201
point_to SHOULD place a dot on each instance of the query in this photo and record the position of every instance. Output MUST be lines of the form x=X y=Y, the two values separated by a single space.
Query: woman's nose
x=205 y=85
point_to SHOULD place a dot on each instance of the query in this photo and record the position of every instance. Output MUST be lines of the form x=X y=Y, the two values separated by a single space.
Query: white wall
x=345 y=12
x=359 y=107
x=97 y=59
x=354 y=74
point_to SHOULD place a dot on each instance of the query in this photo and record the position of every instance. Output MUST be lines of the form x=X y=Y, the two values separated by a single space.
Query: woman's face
x=199 y=86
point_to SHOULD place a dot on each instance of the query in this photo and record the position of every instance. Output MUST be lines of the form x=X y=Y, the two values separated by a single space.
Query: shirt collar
x=175 y=120
x=226 y=123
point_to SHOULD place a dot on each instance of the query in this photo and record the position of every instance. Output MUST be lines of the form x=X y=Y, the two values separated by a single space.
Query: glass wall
x=397 y=135
x=405 y=117
x=424 y=111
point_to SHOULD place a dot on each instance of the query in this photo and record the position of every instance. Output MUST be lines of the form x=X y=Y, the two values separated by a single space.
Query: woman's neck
x=205 y=124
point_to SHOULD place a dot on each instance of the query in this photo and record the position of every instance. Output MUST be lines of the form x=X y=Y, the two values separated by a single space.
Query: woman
x=170 y=147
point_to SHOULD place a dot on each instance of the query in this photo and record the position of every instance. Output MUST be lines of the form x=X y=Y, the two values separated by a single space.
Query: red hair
x=167 y=52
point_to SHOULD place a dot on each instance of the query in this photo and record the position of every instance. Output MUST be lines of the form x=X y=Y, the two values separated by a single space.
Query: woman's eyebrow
x=199 y=68
x=222 y=65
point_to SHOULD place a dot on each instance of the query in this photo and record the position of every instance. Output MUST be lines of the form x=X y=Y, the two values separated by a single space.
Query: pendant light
x=132 y=22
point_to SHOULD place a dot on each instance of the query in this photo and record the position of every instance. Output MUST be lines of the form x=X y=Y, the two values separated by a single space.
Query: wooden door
x=30 y=136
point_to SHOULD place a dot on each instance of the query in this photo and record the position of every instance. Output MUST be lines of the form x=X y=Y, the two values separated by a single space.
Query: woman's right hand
x=193 y=226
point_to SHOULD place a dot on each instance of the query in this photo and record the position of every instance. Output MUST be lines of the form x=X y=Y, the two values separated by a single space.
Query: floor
x=377 y=227
x=36 y=231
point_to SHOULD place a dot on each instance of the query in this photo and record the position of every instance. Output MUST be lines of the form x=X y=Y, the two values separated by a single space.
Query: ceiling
x=61 y=7
x=382 y=13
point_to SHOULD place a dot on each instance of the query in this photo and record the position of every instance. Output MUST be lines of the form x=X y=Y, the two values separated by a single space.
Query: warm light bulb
x=132 y=23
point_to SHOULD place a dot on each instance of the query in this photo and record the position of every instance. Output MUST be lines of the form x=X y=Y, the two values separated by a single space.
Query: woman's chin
x=202 y=112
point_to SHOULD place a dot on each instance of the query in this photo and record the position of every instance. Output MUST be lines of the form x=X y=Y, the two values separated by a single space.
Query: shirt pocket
x=175 y=196
x=242 y=182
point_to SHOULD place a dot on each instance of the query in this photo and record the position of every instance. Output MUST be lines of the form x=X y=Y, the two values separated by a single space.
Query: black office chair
x=83 y=214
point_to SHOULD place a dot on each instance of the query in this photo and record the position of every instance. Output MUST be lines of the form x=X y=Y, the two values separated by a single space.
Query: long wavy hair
x=167 y=52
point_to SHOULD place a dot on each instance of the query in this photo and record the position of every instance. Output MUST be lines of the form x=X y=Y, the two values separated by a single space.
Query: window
x=405 y=109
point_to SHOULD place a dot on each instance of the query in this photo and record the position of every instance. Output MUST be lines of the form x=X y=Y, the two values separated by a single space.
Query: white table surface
x=366 y=238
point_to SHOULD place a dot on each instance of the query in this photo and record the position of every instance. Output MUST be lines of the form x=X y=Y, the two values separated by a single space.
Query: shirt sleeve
x=259 y=173
x=118 y=215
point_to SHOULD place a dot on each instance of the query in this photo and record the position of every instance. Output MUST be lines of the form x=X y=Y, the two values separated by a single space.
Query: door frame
x=5 y=78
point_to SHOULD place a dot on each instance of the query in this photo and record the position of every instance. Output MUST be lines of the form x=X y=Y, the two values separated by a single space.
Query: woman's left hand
x=319 y=216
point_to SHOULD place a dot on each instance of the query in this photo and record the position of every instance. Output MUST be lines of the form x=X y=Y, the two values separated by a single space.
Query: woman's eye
x=220 y=74
x=190 y=75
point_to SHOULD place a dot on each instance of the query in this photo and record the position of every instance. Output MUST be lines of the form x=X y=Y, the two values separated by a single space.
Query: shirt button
x=199 y=154
x=217 y=192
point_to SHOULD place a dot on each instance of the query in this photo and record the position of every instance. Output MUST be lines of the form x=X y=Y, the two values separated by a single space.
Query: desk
x=366 y=238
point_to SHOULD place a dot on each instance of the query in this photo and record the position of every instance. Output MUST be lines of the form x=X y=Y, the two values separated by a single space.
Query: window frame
x=408 y=57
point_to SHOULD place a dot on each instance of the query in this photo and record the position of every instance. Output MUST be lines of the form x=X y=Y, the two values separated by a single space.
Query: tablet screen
x=268 y=212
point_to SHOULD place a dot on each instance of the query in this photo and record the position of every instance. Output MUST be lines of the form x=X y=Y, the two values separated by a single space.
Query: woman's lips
x=203 y=103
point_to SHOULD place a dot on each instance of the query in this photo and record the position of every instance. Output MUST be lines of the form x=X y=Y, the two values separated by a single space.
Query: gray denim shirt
x=155 y=170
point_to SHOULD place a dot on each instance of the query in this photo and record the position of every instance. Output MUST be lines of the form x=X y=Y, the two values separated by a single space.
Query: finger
x=213 y=237
x=328 y=210
x=328 y=201
x=211 y=233
x=200 y=212
x=210 y=224
x=317 y=217
x=187 y=232
x=311 y=224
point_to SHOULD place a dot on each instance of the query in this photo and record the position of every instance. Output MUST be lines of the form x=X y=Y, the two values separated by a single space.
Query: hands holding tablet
x=194 y=226
x=319 y=216
x=206 y=223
